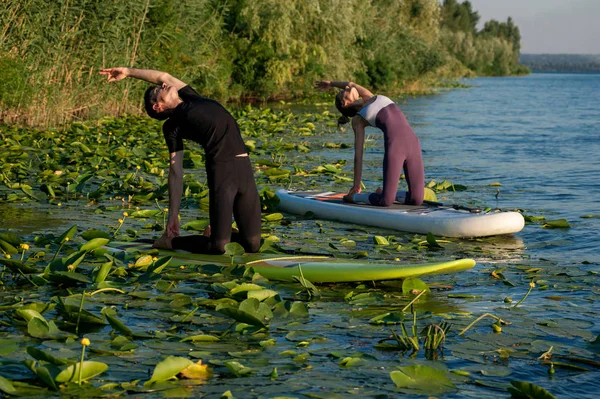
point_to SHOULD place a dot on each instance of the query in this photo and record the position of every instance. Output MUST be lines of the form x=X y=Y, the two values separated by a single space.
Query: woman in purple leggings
x=402 y=148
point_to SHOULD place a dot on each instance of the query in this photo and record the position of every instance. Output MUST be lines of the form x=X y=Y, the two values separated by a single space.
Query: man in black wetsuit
x=231 y=185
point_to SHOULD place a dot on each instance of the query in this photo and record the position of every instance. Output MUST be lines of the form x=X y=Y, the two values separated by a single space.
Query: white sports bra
x=369 y=112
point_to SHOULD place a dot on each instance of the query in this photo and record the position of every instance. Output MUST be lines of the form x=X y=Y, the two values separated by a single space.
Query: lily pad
x=89 y=370
x=422 y=379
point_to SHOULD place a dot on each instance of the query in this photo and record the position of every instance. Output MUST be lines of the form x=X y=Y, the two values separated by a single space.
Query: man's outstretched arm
x=148 y=75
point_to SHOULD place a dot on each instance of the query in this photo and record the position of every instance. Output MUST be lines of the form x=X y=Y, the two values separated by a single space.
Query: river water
x=539 y=136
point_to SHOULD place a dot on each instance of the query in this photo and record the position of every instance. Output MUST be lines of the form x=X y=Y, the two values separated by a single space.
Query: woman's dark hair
x=347 y=112
x=149 y=101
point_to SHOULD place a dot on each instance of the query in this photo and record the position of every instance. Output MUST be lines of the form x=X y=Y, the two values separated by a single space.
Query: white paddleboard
x=443 y=221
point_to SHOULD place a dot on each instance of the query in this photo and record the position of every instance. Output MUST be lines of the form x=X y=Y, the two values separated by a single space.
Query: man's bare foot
x=164 y=242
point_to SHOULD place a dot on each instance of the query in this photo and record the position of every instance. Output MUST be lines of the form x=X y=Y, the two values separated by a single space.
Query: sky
x=548 y=26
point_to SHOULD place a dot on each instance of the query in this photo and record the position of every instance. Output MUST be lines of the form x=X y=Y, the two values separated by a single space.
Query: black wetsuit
x=231 y=186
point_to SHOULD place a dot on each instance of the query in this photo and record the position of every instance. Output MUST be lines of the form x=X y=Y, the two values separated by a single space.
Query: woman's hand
x=323 y=84
x=350 y=196
x=114 y=74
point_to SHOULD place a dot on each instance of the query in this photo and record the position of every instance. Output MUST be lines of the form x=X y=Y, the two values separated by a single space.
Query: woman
x=401 y=145
x=231 y=186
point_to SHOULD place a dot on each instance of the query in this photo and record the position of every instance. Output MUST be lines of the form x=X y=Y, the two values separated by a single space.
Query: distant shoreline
x=561 y=63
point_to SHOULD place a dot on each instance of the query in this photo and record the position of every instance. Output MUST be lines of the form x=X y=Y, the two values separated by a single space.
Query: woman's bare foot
x=207 y=231
x=379 y=190
x=348 y=198
x=164 y=242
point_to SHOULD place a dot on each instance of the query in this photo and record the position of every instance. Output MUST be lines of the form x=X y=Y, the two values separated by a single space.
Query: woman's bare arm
x=148 y=75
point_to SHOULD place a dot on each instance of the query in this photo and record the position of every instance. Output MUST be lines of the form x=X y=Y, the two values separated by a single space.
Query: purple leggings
x=402 y=152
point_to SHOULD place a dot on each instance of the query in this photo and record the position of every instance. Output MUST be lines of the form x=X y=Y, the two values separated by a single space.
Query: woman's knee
x=253 y=245
x=415 y=198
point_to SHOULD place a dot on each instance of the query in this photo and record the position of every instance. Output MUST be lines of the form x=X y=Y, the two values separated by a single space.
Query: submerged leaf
x=527 y=390
x=423 y=379
x=557 y=224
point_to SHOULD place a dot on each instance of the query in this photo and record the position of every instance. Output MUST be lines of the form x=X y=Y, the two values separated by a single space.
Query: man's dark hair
x=347 y=112
x=149 y=101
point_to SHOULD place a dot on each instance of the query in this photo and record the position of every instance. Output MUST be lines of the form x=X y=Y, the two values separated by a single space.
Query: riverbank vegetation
x=235 y=50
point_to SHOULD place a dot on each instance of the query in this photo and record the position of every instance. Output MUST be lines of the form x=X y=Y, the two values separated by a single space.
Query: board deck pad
x=316 y=269
x=434 y=218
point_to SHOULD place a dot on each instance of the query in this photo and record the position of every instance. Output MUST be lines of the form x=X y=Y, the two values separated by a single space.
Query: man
x=231 y=185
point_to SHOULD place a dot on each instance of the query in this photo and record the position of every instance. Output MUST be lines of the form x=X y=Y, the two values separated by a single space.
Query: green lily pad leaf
x=168 y=369
x=197 y=225
x=432 y=242
x=299 y=309
x=245 y=288
x=159 y=265
x=46 y=376
x=146 y=213
x=39 y=354
x=8 y=346
x=94 y=233
x=39 y=328
x=351 y=362
x=72 y=313
x=388 y=318
x=424 y=379
x=122 y=343
x=62 y=264
x=237 y=368
x=94 y=243
x=8 y=248
x=429 y=195
x=557 y=224
x=380 y=240
x=16 y=265
x=143 y=262
x=115 y=323
x=527 y=390
x=276 y=172
x=259 y=309
x=532 y=218
x=101 y=273
x=90 y=369
x=29 y=314
x=414 y=285
x=262 y=294
x=6 y=386
x=273 y=217
x=365 y=298
x=241 y=316
x=233 y=249
x=11 y=238
x=67 y=235
x=27 y=190
x=68 y=277
x=201 y=338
